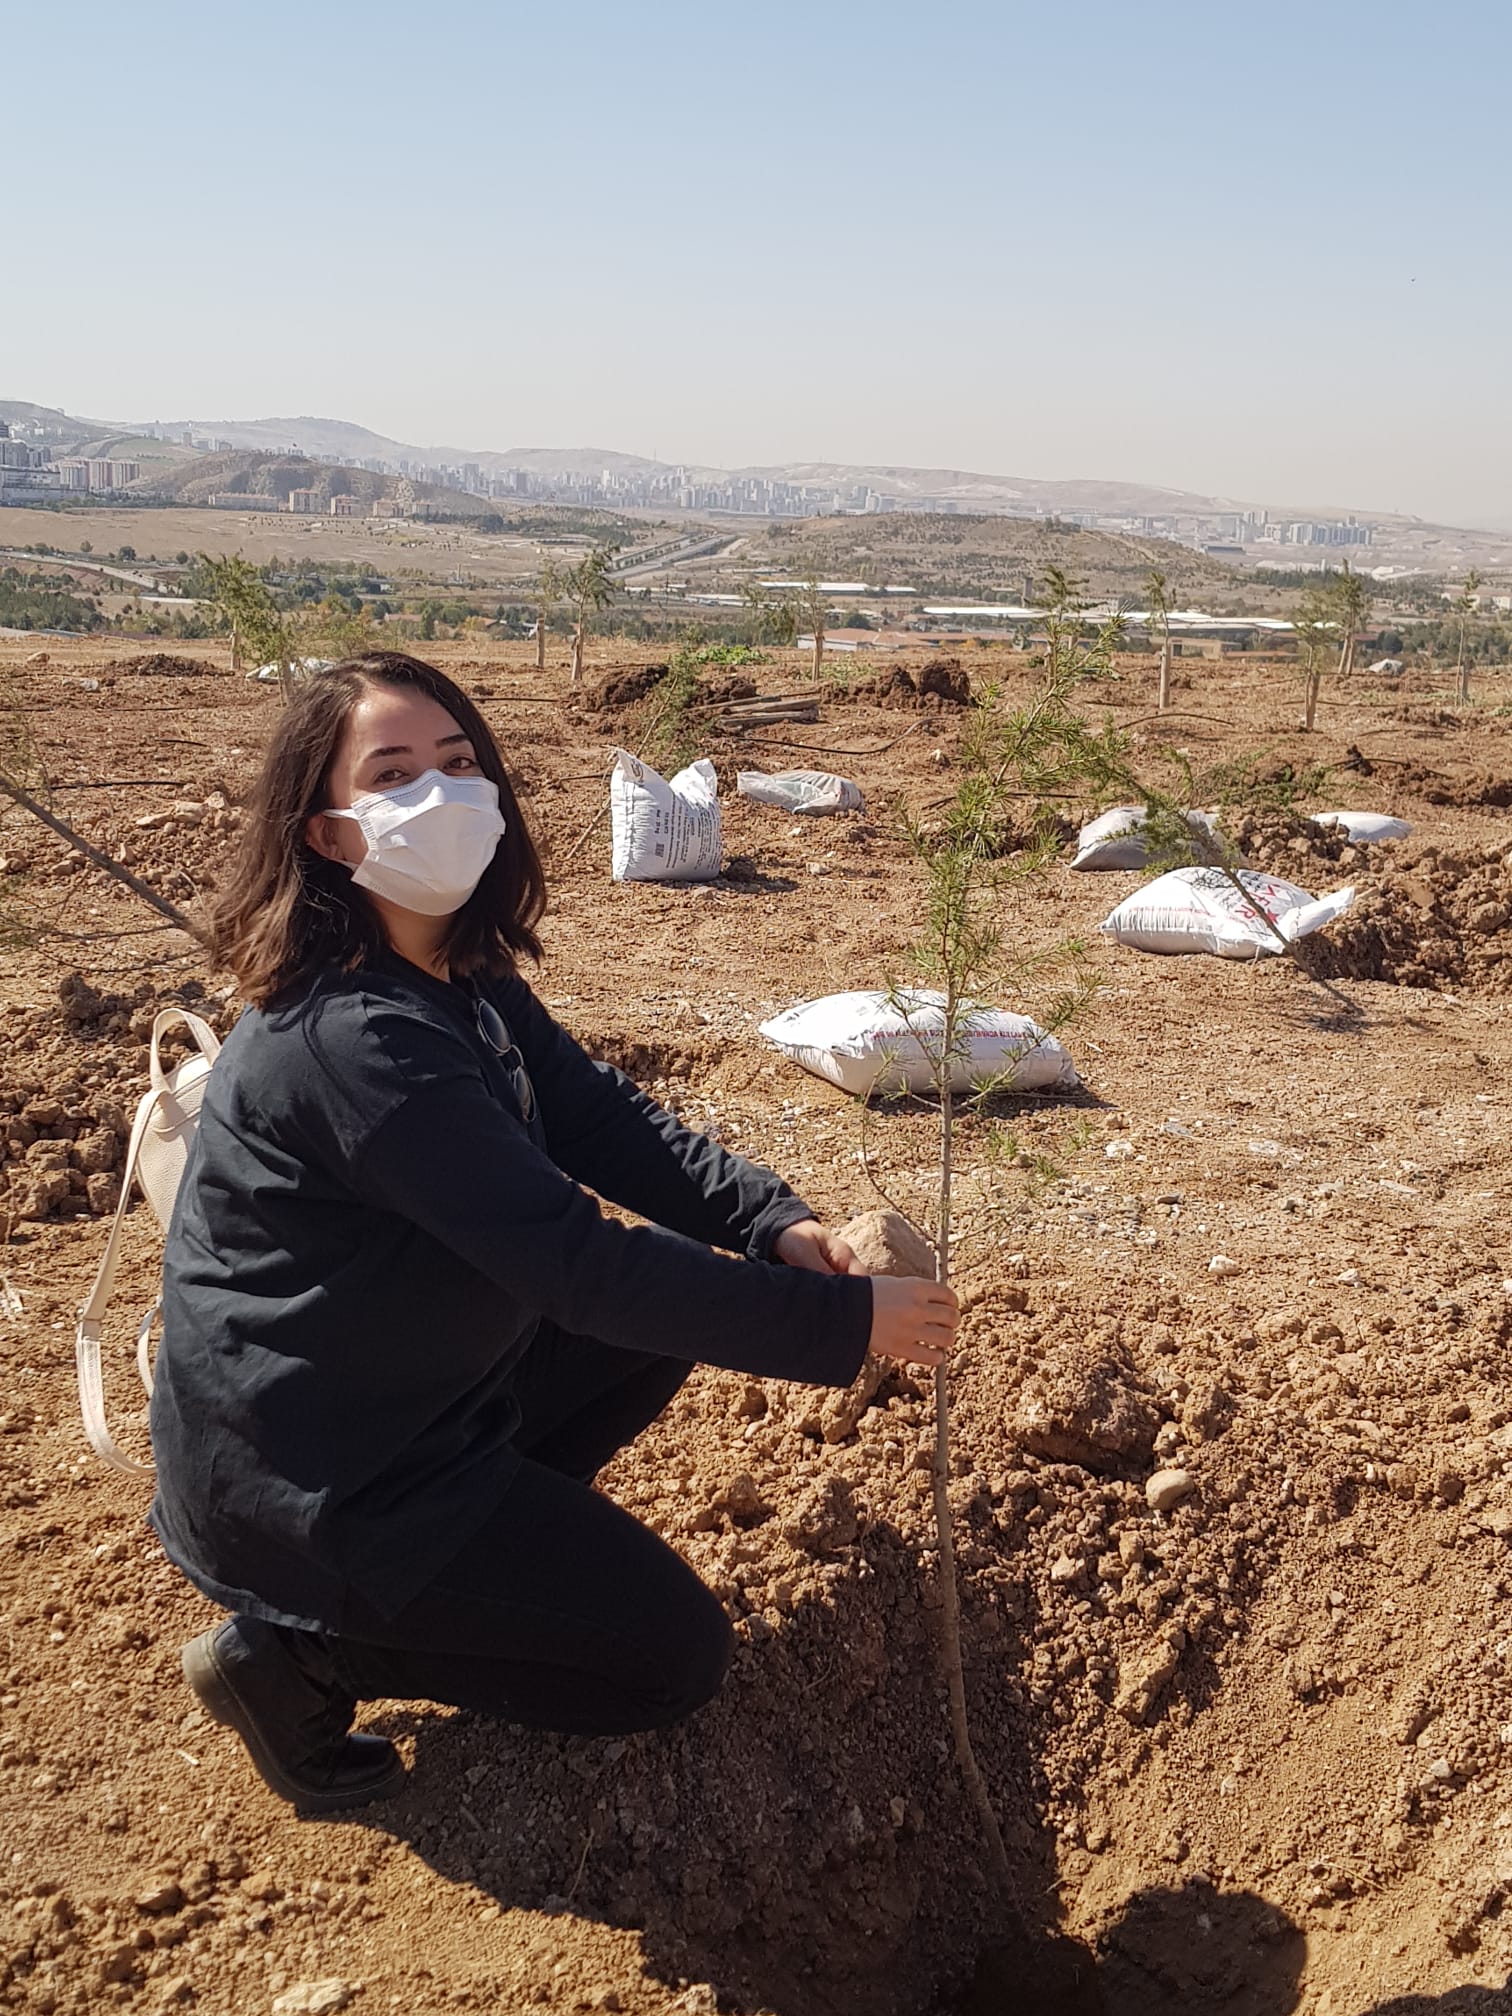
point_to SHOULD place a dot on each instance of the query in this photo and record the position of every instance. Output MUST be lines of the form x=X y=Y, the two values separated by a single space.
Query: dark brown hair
x=286 y=913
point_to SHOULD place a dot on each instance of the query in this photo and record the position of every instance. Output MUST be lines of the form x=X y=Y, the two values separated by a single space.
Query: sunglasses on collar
x=495 y=1033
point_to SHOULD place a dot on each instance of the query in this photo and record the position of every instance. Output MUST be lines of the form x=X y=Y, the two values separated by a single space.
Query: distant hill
x=65 y=429
x=965 y=489
x=963 y=555
x=309 y=435
x=970 y=490
x=305 y=436
x=313 y=436
x=143 y=448
x=246 y=474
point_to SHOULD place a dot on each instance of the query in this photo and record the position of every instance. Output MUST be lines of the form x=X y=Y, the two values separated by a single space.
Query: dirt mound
x=623 y=688
x=164 y=665
x=1283 y=843
x=658 y=1064
x=1442 y=920
x=1085 y=1407
x=1480 y=788
x=179 y=850
x=69 y=1082
x=943 y=682
x=734 y=686
x=1421 y=714
x=618 y=690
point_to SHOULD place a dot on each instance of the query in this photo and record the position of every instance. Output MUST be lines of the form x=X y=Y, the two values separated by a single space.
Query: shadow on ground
x=803 y=1846
x=744 y=876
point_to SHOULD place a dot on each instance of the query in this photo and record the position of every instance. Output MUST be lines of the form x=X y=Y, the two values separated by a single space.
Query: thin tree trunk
x=950 y=1594
x=577 y=654
x=1314 y=680
x=818 y=650
x=541 y=642
x=1163 y=696
x=66 y=832
x=1462 y=670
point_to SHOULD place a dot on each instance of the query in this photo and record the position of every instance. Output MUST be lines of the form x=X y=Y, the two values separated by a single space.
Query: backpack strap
x=92 y=1314
x=144 y=1346
x=199 y=1029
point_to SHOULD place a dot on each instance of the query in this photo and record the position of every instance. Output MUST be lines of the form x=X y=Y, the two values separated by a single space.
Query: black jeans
x=563 y=1612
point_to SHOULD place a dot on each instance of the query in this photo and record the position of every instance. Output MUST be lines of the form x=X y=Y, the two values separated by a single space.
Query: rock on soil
x=1167 y=1488
x=824 y=1519
x=313 y=1998
x=65 y=1110
x=886 y=1243
x=1148 y=1676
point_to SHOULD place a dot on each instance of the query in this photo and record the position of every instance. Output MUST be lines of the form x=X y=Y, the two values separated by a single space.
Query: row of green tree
x=44 y=602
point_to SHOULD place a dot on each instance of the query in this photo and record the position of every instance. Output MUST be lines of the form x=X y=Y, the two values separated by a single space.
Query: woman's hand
x=807 y=1244
x=912 y=1319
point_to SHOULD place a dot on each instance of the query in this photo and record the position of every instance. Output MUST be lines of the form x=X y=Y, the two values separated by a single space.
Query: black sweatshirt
x=366 y=1238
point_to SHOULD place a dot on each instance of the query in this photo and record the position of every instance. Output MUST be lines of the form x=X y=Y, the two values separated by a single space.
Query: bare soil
x=1253 y=1754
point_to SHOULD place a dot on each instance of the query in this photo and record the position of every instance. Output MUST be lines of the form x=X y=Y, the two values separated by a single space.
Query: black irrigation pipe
x=148 y=894
x=121 y=783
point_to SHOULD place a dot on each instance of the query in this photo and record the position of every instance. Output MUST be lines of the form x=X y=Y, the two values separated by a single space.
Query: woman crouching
x=400 y=1337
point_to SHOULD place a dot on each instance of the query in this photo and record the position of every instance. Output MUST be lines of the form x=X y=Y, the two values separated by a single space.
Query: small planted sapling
x=589 y=587
x=1157 y=593
x=1466 y=604
x=549 y=590
x=998 y=831
x=246 y=607
x=1315 y=626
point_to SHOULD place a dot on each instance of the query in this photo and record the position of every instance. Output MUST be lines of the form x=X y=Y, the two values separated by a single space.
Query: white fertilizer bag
x=664 y=832
x=301 y=668
x=1364 y=829
x=1116 y=839
x=871 y=1042
x=1200 y=910
x=812 y=791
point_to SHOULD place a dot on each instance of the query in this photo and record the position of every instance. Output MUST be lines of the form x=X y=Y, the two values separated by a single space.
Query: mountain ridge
x=963 y=489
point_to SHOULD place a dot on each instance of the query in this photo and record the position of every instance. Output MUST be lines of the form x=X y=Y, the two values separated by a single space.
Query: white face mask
x=428 y=842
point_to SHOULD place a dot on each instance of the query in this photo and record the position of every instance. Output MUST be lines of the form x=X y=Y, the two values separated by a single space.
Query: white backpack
x=161 y=1134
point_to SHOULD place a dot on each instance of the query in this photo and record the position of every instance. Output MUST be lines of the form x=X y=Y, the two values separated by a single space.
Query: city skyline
x=40 y=458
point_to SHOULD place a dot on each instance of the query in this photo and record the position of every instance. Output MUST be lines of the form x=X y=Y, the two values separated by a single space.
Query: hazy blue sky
x=1261 y=250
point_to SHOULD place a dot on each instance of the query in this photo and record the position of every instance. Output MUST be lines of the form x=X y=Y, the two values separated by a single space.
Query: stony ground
x=1253 y=1751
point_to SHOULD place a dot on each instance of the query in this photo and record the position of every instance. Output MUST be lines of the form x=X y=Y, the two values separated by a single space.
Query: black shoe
x=279 y=1692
